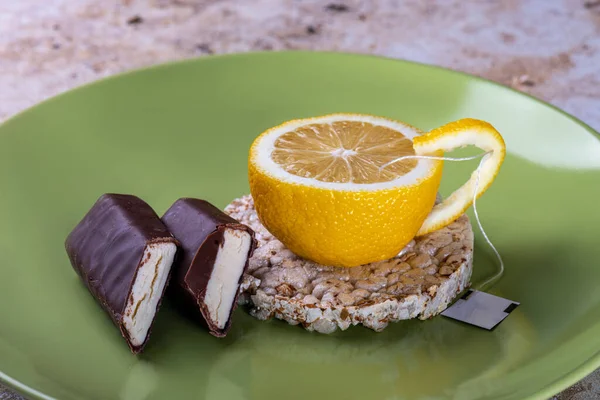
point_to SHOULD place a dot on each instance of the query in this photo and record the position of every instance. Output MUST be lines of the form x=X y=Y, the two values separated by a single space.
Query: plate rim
x=563 y=382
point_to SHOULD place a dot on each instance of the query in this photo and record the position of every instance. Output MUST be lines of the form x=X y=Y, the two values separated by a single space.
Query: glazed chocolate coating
x=106 y=250
x=199 y=227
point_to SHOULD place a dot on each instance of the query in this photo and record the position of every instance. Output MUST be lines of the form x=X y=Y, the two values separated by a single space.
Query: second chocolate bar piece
x=214 y=256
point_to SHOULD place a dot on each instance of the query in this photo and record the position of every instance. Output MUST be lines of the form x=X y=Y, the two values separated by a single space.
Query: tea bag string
x=494 y=278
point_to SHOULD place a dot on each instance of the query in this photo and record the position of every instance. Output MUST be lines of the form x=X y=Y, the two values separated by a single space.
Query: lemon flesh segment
x=344 y=152
x=318 y=187
x=451 y=136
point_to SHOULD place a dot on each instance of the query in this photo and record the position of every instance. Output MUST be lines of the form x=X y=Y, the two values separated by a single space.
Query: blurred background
x=548 y=48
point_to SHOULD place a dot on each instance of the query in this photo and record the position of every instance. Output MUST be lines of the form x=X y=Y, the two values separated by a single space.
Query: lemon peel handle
x=449 y=137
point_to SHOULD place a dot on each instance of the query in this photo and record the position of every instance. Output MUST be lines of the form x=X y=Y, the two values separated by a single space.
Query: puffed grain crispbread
x=419 y=283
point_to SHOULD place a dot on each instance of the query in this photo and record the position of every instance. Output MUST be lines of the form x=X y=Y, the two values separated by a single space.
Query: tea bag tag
x=481 y=309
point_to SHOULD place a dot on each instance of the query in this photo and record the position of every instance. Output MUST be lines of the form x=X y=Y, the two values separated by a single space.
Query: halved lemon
x=332 y=189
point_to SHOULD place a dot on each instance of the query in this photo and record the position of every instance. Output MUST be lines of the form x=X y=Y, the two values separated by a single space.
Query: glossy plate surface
x=184 y=130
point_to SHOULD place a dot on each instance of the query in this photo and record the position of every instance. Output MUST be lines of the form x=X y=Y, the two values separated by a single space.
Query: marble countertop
x=548 y=48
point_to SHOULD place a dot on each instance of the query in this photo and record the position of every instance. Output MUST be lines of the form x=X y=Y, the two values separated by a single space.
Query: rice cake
x=418 y=283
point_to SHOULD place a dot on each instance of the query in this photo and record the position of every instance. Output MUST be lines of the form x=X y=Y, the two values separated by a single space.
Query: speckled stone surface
x=548 y=48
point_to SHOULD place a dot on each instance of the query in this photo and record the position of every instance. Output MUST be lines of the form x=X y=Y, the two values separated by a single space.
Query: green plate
x=184 y=129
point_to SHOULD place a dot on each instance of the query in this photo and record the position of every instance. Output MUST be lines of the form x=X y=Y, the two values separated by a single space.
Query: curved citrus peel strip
x=449 y=137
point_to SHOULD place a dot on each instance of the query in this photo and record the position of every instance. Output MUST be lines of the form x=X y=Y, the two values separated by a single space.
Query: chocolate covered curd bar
x=215 y=250
x=124 y=253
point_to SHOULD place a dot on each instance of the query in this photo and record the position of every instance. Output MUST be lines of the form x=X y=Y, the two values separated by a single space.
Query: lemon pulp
x=344 y=152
